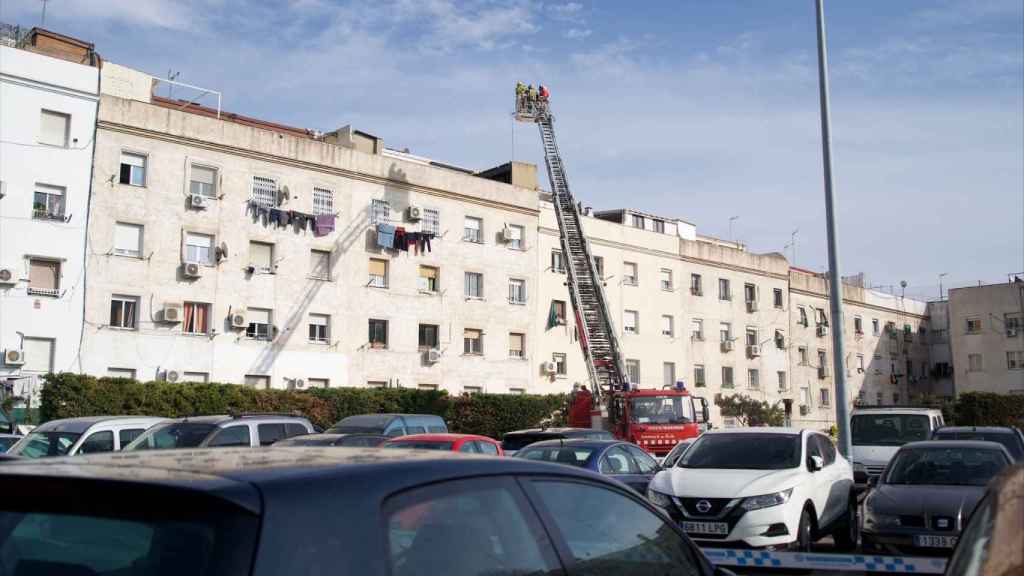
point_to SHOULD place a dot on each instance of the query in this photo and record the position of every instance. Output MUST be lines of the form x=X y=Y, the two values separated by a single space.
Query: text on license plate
x=717 y=528
x=930 y=541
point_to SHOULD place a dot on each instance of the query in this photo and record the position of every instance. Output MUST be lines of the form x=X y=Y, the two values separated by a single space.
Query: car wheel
x=846 y=531
x=803 y=532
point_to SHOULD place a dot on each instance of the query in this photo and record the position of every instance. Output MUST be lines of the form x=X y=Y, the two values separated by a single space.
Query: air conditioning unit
x=299 y=383
x=804 y=410
x=822 y=330
x=238 y=320
x=780 y=342
x=197 y=201
x=550 y=367
x=14 y=357
x=433 y=356
x=171 y=376
x=172 y=312
x=751 y=305
x=7 y=276
x=727 y=346
x=1010 y=332
x=753 y=351
x=413 y=213
x=506 y=234
x=192 y=270
x=822 y=372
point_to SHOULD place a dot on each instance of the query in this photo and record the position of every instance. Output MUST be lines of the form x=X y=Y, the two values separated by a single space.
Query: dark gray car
x=1011 y=438
x=921 y=502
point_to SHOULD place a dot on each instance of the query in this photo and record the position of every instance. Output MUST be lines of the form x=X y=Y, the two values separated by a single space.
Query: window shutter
x=378 y=267
x=127 y=238
x=43 y=274
x=260 y=254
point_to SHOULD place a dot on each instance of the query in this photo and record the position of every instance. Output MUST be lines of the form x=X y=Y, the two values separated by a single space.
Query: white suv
x=773 y=487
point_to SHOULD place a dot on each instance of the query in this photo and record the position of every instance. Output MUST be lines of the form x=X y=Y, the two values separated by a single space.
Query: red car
x=470 y=443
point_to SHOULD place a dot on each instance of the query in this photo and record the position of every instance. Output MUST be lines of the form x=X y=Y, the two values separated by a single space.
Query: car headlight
x=658 y=499
x=875 y=520
x=766 y=500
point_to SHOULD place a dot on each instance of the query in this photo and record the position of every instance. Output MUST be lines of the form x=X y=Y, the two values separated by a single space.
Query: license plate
x=715 y=528
x=931 y=541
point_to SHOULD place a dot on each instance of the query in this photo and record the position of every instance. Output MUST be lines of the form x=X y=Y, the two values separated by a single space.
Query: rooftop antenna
x=172 y=76
x=43 y=23
x=731 y=220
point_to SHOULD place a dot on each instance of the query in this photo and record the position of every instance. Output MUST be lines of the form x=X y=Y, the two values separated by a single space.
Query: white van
x=87 y=435
x=878 y=432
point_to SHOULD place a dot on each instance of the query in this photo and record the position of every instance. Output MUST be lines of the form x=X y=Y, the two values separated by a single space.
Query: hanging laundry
x=385 y=235
x=275 y=216
x=412 y=241
x=552 y=316
x=400 y=239
x=324 y=224
x=425 y=240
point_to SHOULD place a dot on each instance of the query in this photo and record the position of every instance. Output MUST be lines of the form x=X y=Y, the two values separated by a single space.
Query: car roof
x=982 y=429
x=450 y=437
x=80 y=425
x=759 y=430
x=976 y=444
x=894 y=409
x=552 y=431
x=575 y=443
x=222 y=418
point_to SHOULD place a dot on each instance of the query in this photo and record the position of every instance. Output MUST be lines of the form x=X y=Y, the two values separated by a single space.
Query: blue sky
x=697 y=110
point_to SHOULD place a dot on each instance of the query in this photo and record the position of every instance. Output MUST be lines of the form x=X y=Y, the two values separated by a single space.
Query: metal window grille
x=264 y=191
x=431 y=221
x=380 y=212
x=323 y=201
x=516 y=291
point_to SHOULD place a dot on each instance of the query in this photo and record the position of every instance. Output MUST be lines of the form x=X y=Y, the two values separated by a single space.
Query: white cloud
x=169 y=14
x=578 y=33
x=570 y=11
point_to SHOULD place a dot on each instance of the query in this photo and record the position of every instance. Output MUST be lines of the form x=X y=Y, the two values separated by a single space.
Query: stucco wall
x=989 y=305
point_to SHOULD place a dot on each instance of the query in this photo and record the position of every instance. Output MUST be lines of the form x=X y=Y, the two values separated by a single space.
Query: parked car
x=1011 y=438
x=991 y=542
x=8 y=440
x=468 y=443
x=391 y=425
x=87 y=435
x=673 y=455
x=927 y=493
x=761 y=487
x=295 y=511
x=222 y=431
x=877 y=432
x=517 y=439
x=623 y=461
x=349 y=440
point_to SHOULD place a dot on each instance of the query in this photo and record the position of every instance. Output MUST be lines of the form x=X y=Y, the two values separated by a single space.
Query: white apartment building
x=49 y=91
x=986 y=331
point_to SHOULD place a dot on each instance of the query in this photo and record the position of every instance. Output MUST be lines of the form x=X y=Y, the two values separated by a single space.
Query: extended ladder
x=597 y=336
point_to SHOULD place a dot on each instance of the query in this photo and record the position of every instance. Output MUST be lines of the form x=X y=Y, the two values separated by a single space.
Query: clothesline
x=397 y=238
x=322 y=224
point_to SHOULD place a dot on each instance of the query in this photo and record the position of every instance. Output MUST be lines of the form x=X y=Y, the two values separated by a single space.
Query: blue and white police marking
x=837 y=562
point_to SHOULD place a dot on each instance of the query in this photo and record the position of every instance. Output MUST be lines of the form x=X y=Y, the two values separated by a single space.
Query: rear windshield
x=420 y=445
x=571 y=455
x=888 y=429
x=172 y=435
x=42 y=444
x=743 y=452
x=519 y=441
x=1008 y=439
x=366 y=423
x=946 y=466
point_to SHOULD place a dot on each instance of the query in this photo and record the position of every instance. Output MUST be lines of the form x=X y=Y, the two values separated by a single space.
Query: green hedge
x=986 y=409
x=69 y=395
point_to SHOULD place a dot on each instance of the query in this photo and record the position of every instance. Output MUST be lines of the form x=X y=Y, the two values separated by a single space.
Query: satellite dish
x=222 y=251
x=283 y=195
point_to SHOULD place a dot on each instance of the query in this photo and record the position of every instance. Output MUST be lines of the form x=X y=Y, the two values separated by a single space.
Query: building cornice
x=859 y=304
x=48 y=87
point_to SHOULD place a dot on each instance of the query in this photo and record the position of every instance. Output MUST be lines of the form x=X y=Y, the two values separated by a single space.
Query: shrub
x=986 y=409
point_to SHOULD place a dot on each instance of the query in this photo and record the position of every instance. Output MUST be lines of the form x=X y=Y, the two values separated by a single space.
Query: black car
x=343 y=511
x=348 y=440
x=513 y=441
x=1011 y=438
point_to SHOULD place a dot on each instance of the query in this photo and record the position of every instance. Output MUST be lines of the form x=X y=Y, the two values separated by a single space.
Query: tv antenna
x=43 y=23
x=172 y=76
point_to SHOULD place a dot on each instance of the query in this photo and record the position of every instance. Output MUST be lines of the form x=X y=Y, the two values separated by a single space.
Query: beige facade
x=986 y=331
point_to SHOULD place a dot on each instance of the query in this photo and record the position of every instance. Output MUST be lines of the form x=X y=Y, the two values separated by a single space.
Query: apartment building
x=49 y=89
x=229 y=249
x=986 y=333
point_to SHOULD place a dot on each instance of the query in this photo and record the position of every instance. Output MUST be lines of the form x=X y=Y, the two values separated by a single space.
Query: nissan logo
x=703 y=506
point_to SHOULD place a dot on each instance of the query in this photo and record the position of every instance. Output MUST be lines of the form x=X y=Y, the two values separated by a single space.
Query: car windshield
x=1007 y=439
x=422 y=445
x=572 y=455
x=172 y=435
x=888 y=429
x=46 y=443
x=661 y=410
x=743 y=451
x=960 y=466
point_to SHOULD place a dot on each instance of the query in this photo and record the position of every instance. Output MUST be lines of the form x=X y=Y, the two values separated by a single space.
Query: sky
x=702 y=111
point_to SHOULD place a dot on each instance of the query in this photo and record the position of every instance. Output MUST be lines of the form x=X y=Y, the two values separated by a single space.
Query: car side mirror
x=817 y=463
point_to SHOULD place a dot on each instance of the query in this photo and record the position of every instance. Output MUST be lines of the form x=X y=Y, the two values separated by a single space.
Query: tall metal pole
x=835 y=276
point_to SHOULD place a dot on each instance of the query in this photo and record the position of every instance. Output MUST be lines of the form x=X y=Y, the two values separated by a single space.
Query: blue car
x=623 y=461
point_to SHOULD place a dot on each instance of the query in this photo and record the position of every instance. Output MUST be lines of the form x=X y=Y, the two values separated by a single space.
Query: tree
x=748 y=411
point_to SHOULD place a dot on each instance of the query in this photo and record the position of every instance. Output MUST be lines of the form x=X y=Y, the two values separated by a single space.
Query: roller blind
x=53 y=128
x=378 y=267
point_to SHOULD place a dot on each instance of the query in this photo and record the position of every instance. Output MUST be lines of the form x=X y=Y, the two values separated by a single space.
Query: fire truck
x=654 y=419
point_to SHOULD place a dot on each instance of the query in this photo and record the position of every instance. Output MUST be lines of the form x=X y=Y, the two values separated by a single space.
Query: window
x=264 y=191
x=378 y=333
x=472 y=342
x=696 y=285
x=875 y=327
x=238 y=435
x=38 y=354
x=633 y=371
x=659 y=226
x=782 y=380
x=323 y=201
x=629 y=273
x=557 y=315
x=380 y=212
x=516 y=291
x=98 y=442
x=474 y=285
x=519 y=391
x=668 y=326
x=630 y=321
x=319 y=382
x=431 y=221
x=127 y=435
x=753 y=379
x=825 y=397
x=261 y=257
x=1014 y=360
x=666 y=279
x=668 y=371
x=858 y=325
x=43 y=277
x=473 y=230
x=780 y=339
x=516 y=234
x=724 y=292
x=698 y=376
x=128 y=373
x=803 y=317
x=697 y=329
x=637 y=221
x=820 y=318
x=802 y=355
x=777 y=297
x=560 y=365
x=428 y=279
x=973 y=325
x=259 y=324
x=203 y=181
x=128 y=240
x=319 y=328
x=197 y=377
x=612 y=534
x=54 y=128
x=725 y=332
x=974 y=363
x=1011 y=322
x=516 y=345
x=255 y=381
x=599 y=264
x=749 y=293
x=557 y=262
x=860 y=363
x=428 y=336
x=197 y=318
x=378 y=273
x=320 y=264
x=133 y=169
x=752 y=337
x=48 y=202
x=727 y=377
x=123 y=312
x=199 y=248
x=822 y=359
